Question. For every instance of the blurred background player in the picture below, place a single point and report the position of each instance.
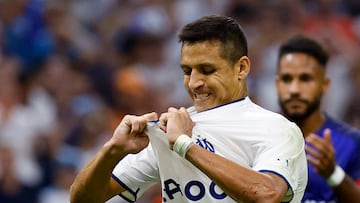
(333, 147)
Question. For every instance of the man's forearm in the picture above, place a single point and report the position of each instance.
(348, 191)
(92, 184)
(238, 182)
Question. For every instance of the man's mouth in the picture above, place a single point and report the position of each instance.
(295, 103)
(201, 96)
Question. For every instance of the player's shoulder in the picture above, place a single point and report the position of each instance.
(272, 115)
(342, 128)
(240, 110)
(277, 120)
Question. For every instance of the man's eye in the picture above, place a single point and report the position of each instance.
(186, 71)
(286, 79)
(208, 71)
(306, 78)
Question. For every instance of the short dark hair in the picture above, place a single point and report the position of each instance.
(306, 45)
(219, 28)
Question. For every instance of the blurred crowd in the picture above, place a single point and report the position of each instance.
(71, 69)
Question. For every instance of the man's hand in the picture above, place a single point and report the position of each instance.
(176, 122)
(321, 153)
(130, 134)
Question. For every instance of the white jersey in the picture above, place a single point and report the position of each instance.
(242, 132)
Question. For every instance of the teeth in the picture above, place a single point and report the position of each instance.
(200, 96)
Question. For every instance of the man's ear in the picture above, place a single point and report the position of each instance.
(243, 67)
(326, 85)
(277, 83)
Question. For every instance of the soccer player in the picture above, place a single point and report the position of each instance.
(332, 147)
(224, 148)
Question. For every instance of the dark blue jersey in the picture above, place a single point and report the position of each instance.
(346, 141)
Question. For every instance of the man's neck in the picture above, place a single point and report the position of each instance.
(312, 123)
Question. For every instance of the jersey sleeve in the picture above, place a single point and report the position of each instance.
(136, 173)
(285, 156)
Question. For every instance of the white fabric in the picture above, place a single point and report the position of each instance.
(242, 132)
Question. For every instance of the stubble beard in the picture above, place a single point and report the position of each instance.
(300, 117)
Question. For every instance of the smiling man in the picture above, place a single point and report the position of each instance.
(333, 147)
(224, 148)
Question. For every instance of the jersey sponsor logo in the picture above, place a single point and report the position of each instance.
(193, 190)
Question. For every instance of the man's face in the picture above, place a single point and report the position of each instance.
(300, 83)
(209, 79)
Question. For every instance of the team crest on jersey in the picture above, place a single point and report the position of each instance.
(204, 143)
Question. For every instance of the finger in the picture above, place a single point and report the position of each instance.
(138, 123)
(312, 151)
(327, 136)
(318, 164)
(126, 122)
(150, 116)
(318, 142)
(184, 111)
(324, 154)
(329, 144)
(313, 161)
(163, 121)
(323, 144)
(135, 123)
(172, 110)
(313, 138)
(163, 118)
(321, 155)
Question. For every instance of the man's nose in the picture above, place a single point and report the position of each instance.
(196, 80)
(294, 86)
